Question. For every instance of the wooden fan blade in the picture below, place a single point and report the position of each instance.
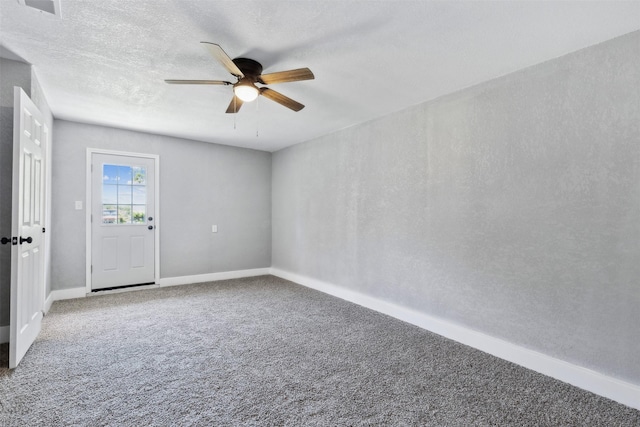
(286, 76)
(223, 58)
(235, 105)
(198, 82)
(281, 99)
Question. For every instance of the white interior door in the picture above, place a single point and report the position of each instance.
(122, 220)
(27, 252)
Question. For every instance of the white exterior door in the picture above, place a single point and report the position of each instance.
(30, 135)
(123, 220)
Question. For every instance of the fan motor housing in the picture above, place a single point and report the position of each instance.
(249, 67)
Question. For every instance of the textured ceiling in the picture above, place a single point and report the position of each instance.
(104, 62)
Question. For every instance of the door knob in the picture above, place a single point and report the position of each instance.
(150, 227)
(150, 218)
(5, 240)
(28, 239)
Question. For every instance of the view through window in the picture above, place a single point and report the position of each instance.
(124, 194)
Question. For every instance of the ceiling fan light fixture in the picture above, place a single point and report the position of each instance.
(249, 72)
(247, 92)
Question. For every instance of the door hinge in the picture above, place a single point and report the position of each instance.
(91, 217)
(92, 269)
(91, 167)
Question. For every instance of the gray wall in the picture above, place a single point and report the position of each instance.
(201, 184)
(12, 73)
(511, 208)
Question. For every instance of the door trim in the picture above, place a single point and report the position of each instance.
(88, 204)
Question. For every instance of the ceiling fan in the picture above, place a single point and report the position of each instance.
(249, 72)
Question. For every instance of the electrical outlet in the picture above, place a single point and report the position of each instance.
(78, 205)
(214, 228)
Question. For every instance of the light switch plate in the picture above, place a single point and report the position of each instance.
(78, 205)
(214, 228)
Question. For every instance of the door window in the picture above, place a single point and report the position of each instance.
(124, 194)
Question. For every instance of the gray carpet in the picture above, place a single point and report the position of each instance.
(263, 351)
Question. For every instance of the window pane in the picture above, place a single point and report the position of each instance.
(109, 193)
(139, 195)
(124, 214)
(109, 214)
(139, 176)
(124, 175)
(109, 174)
(124, 194)
(139, 214)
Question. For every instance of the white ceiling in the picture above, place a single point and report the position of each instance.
(104, 61)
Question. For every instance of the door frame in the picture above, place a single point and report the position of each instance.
(88, 208)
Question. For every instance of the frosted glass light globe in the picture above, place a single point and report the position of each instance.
(245, 92)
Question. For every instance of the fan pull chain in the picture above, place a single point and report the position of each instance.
(235, 111)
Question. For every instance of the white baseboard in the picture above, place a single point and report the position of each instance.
(212, 277)
(4, 334)
(47, 303)
(595, 382)
(71, 293)
(61, 294)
